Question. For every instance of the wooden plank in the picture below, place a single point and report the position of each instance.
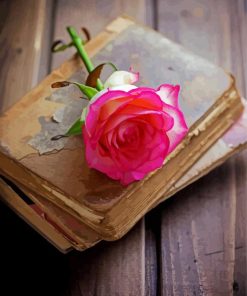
(47, 40)
(240, 161)
(22, 32)
(151, 17)
(240, 270)
(189, 230)
(116, 268)
(242, 27)
(25, 256)
(92, 14)
(26, 43)
(197, 252)
(152, 253)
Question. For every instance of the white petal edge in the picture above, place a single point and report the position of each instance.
(119, 78)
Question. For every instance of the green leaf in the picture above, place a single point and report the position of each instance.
(75, 129)
(94, 75)
(86, 90)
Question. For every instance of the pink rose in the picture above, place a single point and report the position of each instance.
(129, 131)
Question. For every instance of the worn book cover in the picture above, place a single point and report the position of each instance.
(57, 171)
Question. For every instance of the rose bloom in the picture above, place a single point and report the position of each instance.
(129, 130)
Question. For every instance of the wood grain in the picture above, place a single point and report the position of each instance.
(240, 270)
(22, 32)
(197, 252)
(25, 50)
(115, 268)
(92, 14)
(25, 256)
(209, 28)
(240, 162)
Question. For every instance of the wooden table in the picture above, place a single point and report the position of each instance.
(192, 244)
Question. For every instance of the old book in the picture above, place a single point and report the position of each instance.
(57, 171)
(48, 231)
(79, 236)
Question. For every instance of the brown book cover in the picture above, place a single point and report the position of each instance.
(57, 170)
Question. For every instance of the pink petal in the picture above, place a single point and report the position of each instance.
(169, 94)
(179, 130)
(95, 160)
(130, 177)
(157, 156)
(141, 89)
(135, 76)
(149, 154)
(159, 119)
(145, 103)
(95, 108)
(146, 167)
(147, 99)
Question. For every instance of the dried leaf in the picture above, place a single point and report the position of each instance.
(60, 45)
(95, 74)
(59, 84)
(86, 33)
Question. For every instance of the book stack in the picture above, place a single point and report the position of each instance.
(76, 207)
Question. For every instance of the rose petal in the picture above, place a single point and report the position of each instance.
(141, 89)
(120, 78)
(95, 108)
(145, 104)
(160, 119)
(129, 177)
(129, 133)
(146, 167)
(179, 130)
(169, 94)
(104, 164)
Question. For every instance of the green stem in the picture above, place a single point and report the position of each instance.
(83, 54)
